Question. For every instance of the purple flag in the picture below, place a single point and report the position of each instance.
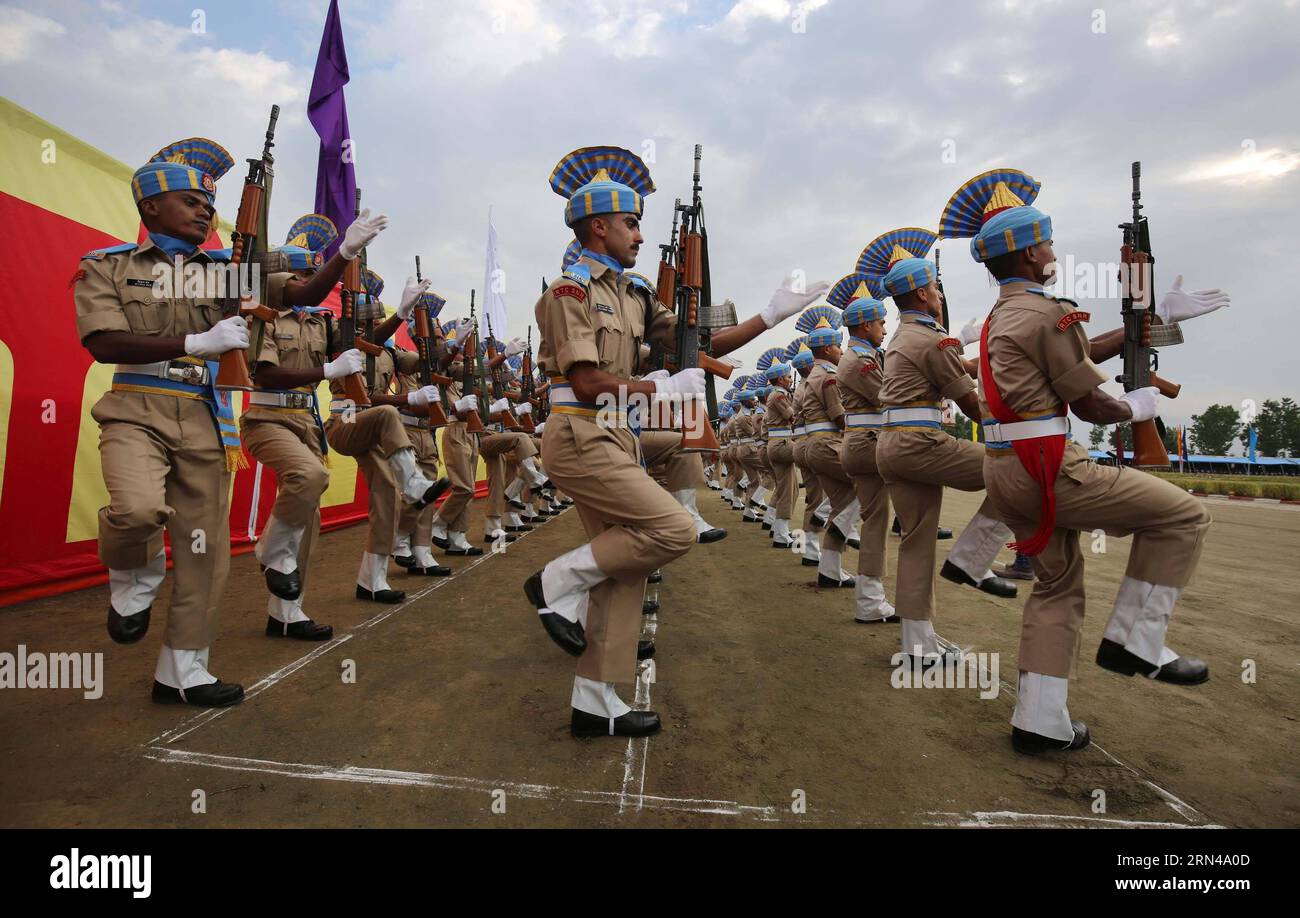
(336, 178)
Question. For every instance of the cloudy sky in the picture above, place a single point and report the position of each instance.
(824, 123)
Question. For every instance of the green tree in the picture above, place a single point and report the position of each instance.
(1171, 440)
(1277, 426)
(1214, 430)
(1097, 436)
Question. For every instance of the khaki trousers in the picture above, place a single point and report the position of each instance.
(460, 455)
(823, 456)
(634, 525)
(1168, 526)
(418, 524)
(170, 475)
(858, 456)
(780, 457)
(370, 436)
(916, 466)
(291, 450)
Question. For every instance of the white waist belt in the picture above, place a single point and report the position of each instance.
(779, 433)
(864, 419)
(412, 421)
(821, 427)
(280, 399)
(1025, 430)
(907, 415)
(193, 373)
(801, 431)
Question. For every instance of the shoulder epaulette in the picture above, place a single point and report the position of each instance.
(861, 351)
(579, 273)
(97, 254)
(640, 282)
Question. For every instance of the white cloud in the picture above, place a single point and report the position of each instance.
(22, 32)
(1245, 169)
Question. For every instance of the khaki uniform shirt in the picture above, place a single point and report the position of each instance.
(780, 409)
(293, 340)
(1039, 356)
(115, 292)
(861, 373)
(924, 366)
(822, 403)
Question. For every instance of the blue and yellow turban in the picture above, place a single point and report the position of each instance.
(851, 286)
(432, 302)
(301, 259)
(863, 310)
(897, 262)
(814, 316)
(768, 357)
(777, 370)
(993, 210)
(824, 336)
(312, 232)
(373, 283)
(601, 180)
(194, 164)
(571, 253)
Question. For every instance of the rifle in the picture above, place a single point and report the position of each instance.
(1140, 336)
(233, 372)
(354, 387)
(693, 287)
(469, 380)
(938, 282)
(368, 318)
(507, 417)
(526, 383)
(425, 345)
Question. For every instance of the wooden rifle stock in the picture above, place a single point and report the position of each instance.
(232, 370)
(354, 386)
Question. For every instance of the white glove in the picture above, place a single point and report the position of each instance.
(227, 335)
(462, 329)
(524, 408)
(1179, 305)
(1144, 403)
(538, 428)
(687, 382)
(467, 404)
(361, 233)
(349, 362)
(410, 294)
(788, 300)
(422, 397)
(656, 374)
(971, 331)
(516, 346)
(499, 406)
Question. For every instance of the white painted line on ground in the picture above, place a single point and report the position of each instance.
(207, 716)
(1006, 818)
(1179, 806)
(389, 777)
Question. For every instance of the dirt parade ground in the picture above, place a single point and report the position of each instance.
(452, 709)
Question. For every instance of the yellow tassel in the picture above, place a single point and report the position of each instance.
(235, 459)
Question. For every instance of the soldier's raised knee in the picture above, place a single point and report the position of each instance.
(679, 535)
(141, 515)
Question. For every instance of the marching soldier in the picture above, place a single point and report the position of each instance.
(413, 543)
(861, 371)
(450, 525)
(592, 322)
(802, 361)
(1036, 363)
(168, 440)
(377, 438)
(282, 427)
(780, 411)
(823, 418)
(915, 456)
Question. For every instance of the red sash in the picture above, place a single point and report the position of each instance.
(1040, 456)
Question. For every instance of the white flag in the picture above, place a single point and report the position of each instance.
(494, 290)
